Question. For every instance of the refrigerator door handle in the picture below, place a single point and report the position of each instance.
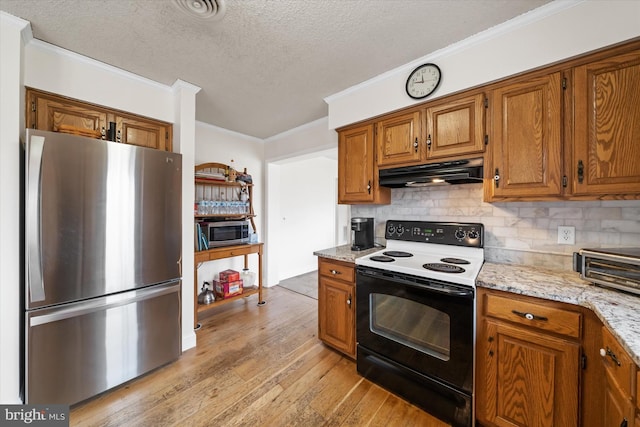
(104, 303)
(35, 149)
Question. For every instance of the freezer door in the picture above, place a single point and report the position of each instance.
(78, 350)
(101, 217)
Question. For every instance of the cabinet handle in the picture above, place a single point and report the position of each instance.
(529, 316)
(334, 272)
(415, 144)
(490, 339)
(624, 423)
(429, 142)
(580, 171)
(496, 178)
(611, 354)
(349, 301)
(490, 353)
(369, 187)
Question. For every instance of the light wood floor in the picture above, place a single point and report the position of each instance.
(255, 366)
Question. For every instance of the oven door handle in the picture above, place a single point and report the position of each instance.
(434, 286)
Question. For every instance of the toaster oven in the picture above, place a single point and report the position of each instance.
(615, 268)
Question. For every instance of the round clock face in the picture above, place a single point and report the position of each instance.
(423, 81)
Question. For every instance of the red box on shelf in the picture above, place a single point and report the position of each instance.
(229, 276)
(227, 289)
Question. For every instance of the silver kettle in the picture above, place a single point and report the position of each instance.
(206, 296)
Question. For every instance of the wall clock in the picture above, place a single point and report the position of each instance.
(423, 81)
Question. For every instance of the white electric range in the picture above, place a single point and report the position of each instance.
(415, 315)
(450, 252)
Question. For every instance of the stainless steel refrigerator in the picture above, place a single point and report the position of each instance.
(102, 265)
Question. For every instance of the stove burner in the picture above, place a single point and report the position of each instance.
(381, 258)
(443, 268)
(398, 254)
(455, 261)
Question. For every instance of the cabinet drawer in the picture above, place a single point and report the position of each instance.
(536, 315)
(337, 269)
(617, 362)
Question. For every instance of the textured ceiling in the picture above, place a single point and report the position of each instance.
(266, 66)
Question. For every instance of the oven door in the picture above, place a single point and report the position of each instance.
(421, 324)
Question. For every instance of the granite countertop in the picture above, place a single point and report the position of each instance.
(344, 253)
(619, 311)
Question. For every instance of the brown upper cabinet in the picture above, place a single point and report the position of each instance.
(572, 133)
(606, 133)
(526, 143)
(143, 132)
(456, 127)
(398, 140)
(569, 131)
(47, 111)
(448, 128)
(357, 169)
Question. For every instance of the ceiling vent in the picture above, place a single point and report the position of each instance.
(211, 10)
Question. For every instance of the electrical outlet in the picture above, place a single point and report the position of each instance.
(566, 235)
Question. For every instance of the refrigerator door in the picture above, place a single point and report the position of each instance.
(102, 217)
(77, 350)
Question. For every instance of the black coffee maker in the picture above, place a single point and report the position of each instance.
(361, 233)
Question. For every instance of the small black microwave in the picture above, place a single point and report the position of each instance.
(224, 233)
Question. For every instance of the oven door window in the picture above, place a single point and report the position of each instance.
(415, 325)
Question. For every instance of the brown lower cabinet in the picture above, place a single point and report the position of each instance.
(527, 362)
(545, 363)
(620, 376)
(336, 305)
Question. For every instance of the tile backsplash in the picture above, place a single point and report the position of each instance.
(515, 232)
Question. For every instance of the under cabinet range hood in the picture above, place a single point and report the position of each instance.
(451, 172)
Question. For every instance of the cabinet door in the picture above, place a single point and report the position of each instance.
(336, 319)
(607, 126)
(48, 112)
(145, 133)
(397, 140)
(526, 138)
(618, 408)
(456, 127)
(530, 378)
(357, 173)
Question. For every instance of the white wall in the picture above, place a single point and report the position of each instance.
(551, 33)
(307, 139)
(214, 144)
(307, 213)
(11, 106)
(302, 162)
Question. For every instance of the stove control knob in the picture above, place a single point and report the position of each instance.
(400, 230)
(391, 229)
(473, 234)
(460, 234)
